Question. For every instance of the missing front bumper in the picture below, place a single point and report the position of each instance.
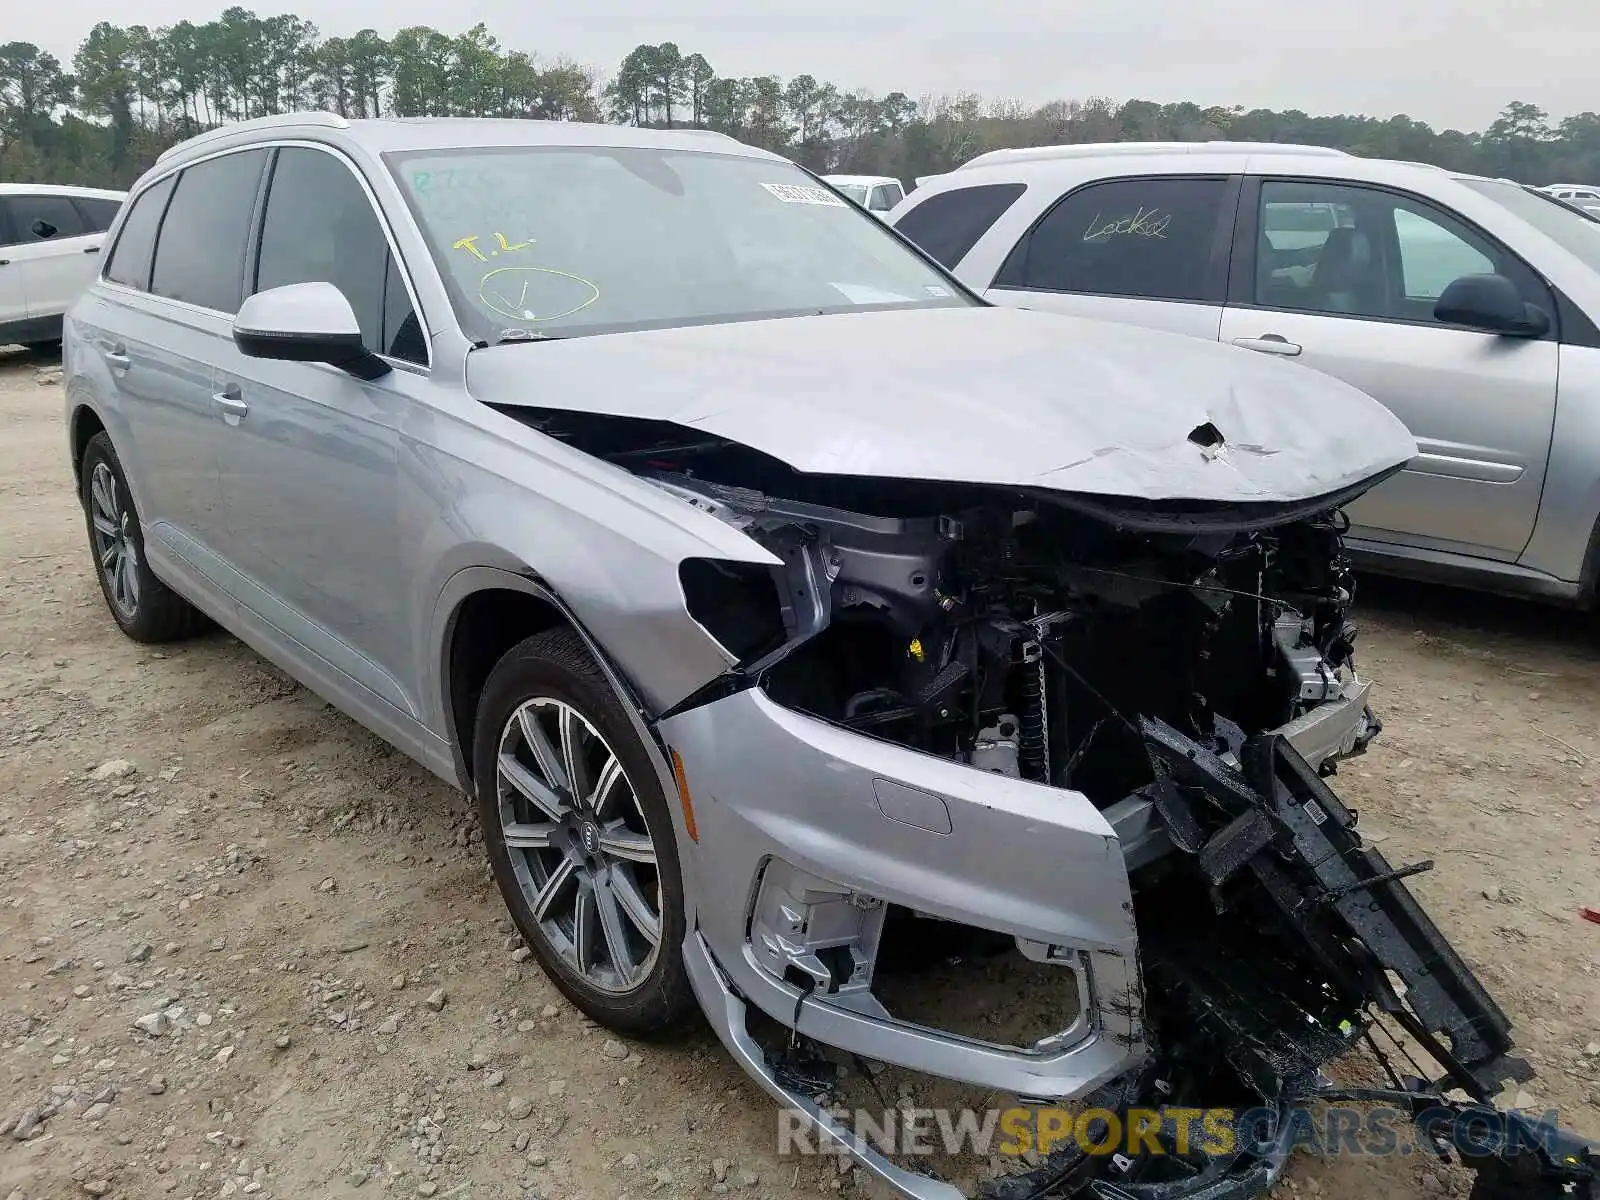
(727, 1015)
(793, 821)
(1271, 854)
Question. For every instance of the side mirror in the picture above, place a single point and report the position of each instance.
(1491, 303)
(306, 322)
(43, 229)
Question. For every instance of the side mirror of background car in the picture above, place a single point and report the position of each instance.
(43, 229)
(1492, 303)
(306, 322)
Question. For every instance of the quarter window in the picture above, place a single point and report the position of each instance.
(1360, 252)
(948, 224)
(320, 227)
(1150, 238)
(200, 253)
(1432, 257)
(44, 218)
(135, 247)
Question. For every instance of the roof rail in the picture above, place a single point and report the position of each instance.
(1097, 149)
(323, 120)
(702, 132)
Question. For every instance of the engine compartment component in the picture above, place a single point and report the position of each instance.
(1026, 640)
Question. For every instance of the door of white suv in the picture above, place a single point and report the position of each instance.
(53, 250)
(13, 296)
(1344, 277)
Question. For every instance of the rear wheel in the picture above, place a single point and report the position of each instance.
(145, 609)
(580, 837)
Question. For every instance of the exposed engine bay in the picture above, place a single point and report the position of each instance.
(1026, 642)
(1192, 672)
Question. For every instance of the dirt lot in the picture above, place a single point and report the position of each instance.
(185, 831)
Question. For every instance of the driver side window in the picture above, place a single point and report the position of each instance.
(1353, 251)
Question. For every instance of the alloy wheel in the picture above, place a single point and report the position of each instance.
(114, 545)
(579, 844)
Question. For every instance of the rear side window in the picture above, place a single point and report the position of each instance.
(949, 224)
(97, 213)
(130, 259)
(200, 254)
(44, 218)
(1150, 238)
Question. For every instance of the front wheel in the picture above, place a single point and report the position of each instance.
(580, 837)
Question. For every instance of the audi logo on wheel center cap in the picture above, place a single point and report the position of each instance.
(591, 838)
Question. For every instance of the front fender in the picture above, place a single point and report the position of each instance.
(471, 580)
(603, 541)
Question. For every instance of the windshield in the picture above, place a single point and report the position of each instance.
(562, 241)
(1578, 233)
(856, 191)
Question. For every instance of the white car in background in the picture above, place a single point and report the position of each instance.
(50, 241)
(1576, 193)
(875, 193)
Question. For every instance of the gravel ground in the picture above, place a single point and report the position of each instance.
(246, 949)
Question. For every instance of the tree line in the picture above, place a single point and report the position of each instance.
(132, 91)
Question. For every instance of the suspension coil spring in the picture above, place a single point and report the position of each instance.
(1033, 751)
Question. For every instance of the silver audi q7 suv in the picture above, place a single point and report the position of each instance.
(778, 600)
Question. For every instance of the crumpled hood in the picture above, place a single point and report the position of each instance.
(977, 395)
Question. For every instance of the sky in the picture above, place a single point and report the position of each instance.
(1451, 63)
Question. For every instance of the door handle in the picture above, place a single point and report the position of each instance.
(91, 249)
(117, 357)
(1270, 343)
(231, 403)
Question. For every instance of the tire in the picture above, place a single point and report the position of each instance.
(143, 607)
(573, 874)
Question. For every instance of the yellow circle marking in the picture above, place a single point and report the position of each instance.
(499, 300)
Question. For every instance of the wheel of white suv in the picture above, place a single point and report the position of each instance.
(146, 609)
(579, 836)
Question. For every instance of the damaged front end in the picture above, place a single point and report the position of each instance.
(1093, 734)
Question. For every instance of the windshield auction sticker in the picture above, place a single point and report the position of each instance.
(796, 193)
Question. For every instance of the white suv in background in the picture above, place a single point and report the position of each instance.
(1576, 192)
(875, 193)
(1470, 307)
(50, 241)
